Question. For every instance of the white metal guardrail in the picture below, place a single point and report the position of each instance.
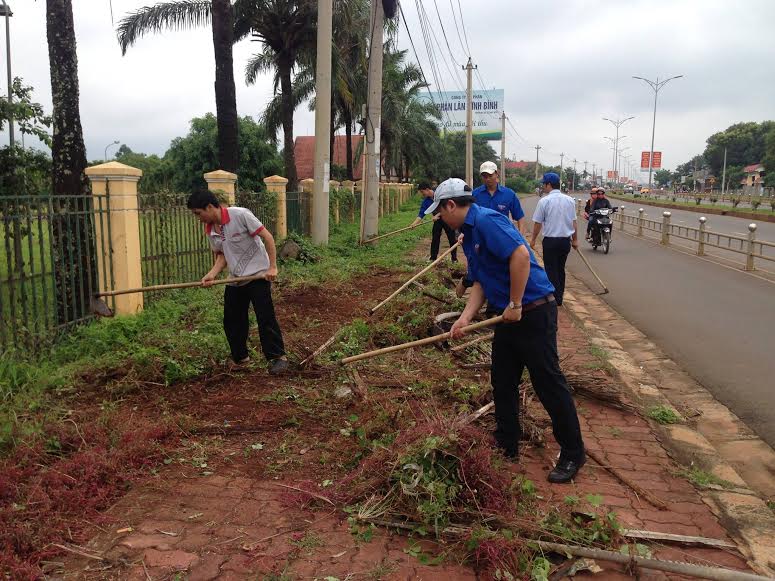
(700, 238)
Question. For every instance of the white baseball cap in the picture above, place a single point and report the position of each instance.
(488, 167)
(451, 188)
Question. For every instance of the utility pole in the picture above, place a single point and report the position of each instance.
(469, 68)
(724, 173)
(573, 185)
(322, 170)
(503, 146)
(537, 147)
(594, 176)
(373, 122)
(562, 155)
(655, 86)
(7, 12)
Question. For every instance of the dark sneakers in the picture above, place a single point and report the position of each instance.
(565, 470)
(278, 367)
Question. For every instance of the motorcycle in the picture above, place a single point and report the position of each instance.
(602, 227)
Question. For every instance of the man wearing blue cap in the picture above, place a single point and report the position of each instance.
(506, 275)
(556, 214)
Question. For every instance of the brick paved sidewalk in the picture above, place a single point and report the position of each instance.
(235, 527)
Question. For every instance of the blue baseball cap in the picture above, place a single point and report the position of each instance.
(551, 178)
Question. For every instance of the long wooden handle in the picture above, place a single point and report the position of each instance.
(145, 289)
(420, 342)
(592, 270)
(416, 276)
(370, 240)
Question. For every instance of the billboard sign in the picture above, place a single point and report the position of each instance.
(656, 163)
(487, 107)
(612, 175)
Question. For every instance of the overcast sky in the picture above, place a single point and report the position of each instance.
(563, 64)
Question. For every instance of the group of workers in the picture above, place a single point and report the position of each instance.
(502, 272)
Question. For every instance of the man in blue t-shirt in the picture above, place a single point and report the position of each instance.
(505, 274)
(496, 197)
(438, 225)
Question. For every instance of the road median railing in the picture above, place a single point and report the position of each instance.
(696, 239)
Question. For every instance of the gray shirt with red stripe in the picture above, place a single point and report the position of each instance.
(239, 242)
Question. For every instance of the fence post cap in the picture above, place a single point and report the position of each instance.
(275, 180)
(219, 175)
(640, 210)
(703, 219)
(113, 168)
(334, 183)
(621, 207)
(752, 227)
(666, 214)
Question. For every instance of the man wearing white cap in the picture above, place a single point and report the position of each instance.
(506, 275)
(496, 197)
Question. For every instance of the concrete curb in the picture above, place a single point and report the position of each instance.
(718, 442)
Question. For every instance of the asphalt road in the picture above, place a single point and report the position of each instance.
(716, 322)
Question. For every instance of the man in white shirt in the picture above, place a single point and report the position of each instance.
(556, 214)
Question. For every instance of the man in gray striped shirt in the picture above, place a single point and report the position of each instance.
(242, 243)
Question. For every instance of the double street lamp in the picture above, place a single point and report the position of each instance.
(655, 86)
(617, 123)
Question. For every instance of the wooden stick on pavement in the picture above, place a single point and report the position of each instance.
(421, 342)
(589, 266)
(467, 344)
(416, 276)
(370, 240)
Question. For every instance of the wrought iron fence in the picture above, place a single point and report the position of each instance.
(51, 264)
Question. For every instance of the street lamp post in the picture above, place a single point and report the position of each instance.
(5, 10)
(109, 145)
(617, 123)
(655, 86)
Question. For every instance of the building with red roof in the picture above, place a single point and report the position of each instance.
(304, 150)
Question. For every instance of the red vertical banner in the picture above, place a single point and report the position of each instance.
(612, 174)
(644, 159)
(656, 163)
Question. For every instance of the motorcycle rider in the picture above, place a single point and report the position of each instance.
(599, 202)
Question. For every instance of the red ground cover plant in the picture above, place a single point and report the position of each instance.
(51, 489)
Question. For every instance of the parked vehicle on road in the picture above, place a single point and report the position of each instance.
(602, 228)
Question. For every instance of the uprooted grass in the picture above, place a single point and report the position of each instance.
(440, 478)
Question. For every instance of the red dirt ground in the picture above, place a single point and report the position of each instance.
(218, 506)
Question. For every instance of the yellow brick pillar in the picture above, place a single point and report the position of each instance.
(114, 186)
(349, 187)
(306, 186)
(224, 183)
(334, 189)
(276, 185)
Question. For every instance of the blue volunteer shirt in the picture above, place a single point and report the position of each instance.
(426, 203)
(490, 239)
(504, 200)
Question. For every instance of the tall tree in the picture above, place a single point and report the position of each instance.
(179, 14)
(287, 30)
(74, 274)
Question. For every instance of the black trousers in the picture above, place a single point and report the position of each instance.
(532, 343)
(236, 324)
(556, 252)
(438, 226)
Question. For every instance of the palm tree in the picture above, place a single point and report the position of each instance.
(178, 14)
(405, 118)
(287, 30)
(72, 243)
